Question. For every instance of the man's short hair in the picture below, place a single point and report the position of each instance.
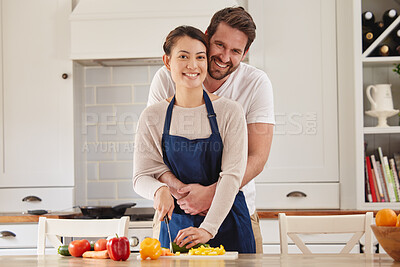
(237, 18)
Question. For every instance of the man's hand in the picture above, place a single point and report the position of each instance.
(173, 183)
(203, 213)
(176, 195)
(198, 199)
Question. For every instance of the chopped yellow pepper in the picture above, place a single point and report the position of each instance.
(210, 251)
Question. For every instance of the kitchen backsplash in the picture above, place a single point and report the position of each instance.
(114, 99)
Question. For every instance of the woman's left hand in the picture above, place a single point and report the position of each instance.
(192, 236)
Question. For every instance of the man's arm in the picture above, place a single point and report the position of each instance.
(161, 86)
(259, 141)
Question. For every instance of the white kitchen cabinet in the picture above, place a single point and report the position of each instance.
(20, 239)
(18, 235)
(356, 72)
(296, 47)
(36, 100)
(122, 29)
(47, 198)
(297, 195)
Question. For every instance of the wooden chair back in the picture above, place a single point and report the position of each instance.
(54, 229)
(358, 224)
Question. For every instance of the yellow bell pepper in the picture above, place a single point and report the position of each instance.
(150, 248)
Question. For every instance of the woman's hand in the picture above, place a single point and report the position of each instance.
(163, 202)
(192, 236)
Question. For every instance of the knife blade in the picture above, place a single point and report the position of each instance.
(166, 220)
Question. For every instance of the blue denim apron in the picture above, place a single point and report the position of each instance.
(199, 161)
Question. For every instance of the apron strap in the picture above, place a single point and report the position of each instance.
(211, 114)
(168, 115)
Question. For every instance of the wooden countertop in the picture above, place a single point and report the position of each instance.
(244, 260)
(273, 214)
(18, 217)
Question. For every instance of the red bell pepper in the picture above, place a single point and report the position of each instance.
(118, 248)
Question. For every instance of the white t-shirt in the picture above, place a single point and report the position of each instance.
(247, 85)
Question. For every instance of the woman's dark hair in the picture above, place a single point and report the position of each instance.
(182, 31)
(237, 18)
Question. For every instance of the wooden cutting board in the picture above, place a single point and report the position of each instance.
(229, 255)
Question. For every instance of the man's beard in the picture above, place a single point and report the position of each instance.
(216, 73)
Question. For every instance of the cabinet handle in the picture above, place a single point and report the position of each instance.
(32, 199)
(64, 76)
(296, 194)
(7, 234)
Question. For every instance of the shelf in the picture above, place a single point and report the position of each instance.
(368, 69)
(380, 61)
(381, 130)
(381, 205)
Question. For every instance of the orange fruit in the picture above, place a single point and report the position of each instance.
(398, 221)
(386, 217)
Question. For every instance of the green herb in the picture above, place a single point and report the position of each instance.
(397, 68)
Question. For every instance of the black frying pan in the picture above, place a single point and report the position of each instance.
(105, 211)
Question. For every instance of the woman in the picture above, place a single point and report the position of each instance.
(201, 138)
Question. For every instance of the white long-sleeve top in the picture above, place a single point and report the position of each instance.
(193, 123)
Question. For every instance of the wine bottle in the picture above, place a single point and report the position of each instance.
(384, 50)
(368, 18)
(389, 16)
(395, 35)
(397, 50)
(368, 37)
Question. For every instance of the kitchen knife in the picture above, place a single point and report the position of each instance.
(166, 220)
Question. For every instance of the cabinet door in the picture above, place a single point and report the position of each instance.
(37, 107)
(296, 47)
(1, 99)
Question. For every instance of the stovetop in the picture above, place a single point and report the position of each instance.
(134, 213)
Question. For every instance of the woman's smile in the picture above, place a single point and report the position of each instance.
(192, 75)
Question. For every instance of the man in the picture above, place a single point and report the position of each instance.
(230, 34)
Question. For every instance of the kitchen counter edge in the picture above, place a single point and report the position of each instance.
(28, 218)
(263, 214)
(273, 214)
